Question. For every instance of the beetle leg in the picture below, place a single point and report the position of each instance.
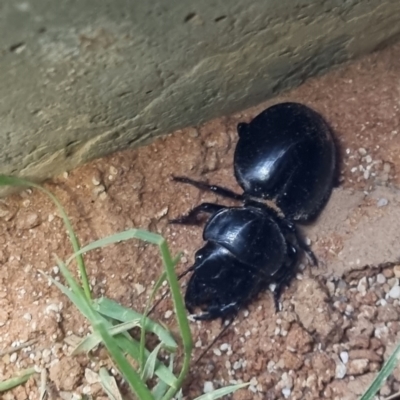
(221, 191)
(191, 217)
(291, 227)
(287, 274)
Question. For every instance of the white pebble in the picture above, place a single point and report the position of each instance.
(13, 357)
(340, 370)
(224, 347)
(362, 151)
(381, 279)
(113, 170)
(394, 292)
(344, 356)
(217, 352)
(286, 392)
(253, 381)
(168, 314)
(27, 317)
(208, 387)
(382, 202)
(362, 286)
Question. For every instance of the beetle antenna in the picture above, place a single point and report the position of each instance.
(223, 330)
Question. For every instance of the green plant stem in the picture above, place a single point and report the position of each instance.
(181, 317)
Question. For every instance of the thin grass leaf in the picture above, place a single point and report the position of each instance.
(380, 379)
(88, 343)
(143, 330)
(43, 381)
(179, 395)
(149, 367)
(111, 309)
(126, 369)
(161, 387)
(109, 385)
(117, 238)
(131, 347)
(217, 394)
(17, 380)
(181, 317)
(13, 181)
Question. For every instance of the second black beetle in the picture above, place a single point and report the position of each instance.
(285, 162)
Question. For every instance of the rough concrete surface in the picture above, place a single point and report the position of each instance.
(357, 230)
(79, 79)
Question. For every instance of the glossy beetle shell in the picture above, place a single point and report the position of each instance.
(287, 154)
(251, 234)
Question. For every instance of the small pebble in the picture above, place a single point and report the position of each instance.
(344, 356)
(27, 317)
(380, 278)
(237, 365)
(168, 314)
(217, 352)
(341, 370)
(382, 202)
(224, 347)
(362, 286)
(208, 387)
(394, 292)
(96, 180)
(286, 392)
(362, 151)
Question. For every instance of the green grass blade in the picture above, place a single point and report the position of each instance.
(159, 390)
(128, 372)
(109, 385)
(161, 387)
(143, 330)
(149, 367)
(12, 181)
(117, 238)
(386, 370)
(181, 317)
(17, 380)
(112, 309)
(131, 346)
(90, 342)
(217, 394)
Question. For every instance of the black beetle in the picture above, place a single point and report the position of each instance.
(285, 162)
